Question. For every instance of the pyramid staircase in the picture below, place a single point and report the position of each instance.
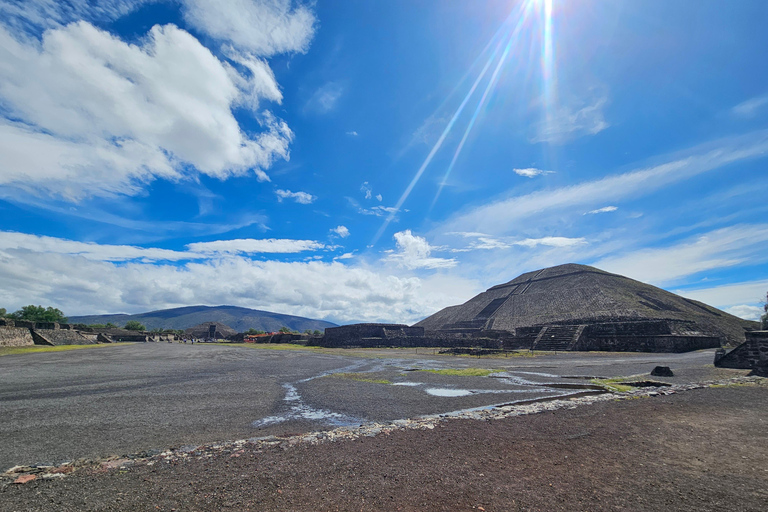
(555, 338)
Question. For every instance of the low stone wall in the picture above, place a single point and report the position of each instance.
(757, 350)
(350, 334)
(15, 337)
(662, 343)
(60, 337)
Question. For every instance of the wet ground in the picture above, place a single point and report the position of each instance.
(57, 407)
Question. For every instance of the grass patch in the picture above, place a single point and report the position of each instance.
(464, 372)
(34, 349)
(613, 385)
(359, 377)
(268, 346)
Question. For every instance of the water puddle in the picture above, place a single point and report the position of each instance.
(447, 392)
(409, 384)
(301, 411)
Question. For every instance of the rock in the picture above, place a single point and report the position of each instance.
(24, 479)
(662, 371)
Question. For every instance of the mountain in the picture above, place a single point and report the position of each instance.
(579, 295)
(240, 319)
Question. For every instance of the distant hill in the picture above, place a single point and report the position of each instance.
(240, 319)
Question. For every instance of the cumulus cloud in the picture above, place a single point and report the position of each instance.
(84, 278)
(263, 27)
(299, 197)
(414, 252)
(745, 295)
(352, 133)
(531, 172)
(341, 231)
(87, 113)
(604, 209)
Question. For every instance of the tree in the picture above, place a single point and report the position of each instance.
(110, 325)
(134, 325)
(2, 312)
(284, 329)
(317, 332)
(254, 331)
(33, 313)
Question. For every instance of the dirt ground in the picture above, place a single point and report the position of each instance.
(704, 449)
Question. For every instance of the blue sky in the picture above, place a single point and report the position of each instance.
(377, 161)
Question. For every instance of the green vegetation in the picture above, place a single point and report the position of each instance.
(254, 331)
(134, 325)
(284, 329)
(8, 351)
(464, 372)
(316, 332)
(33, 313)
(613, 385)
(359, 377)
(2, 312)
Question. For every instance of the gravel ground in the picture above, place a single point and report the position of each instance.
(700, 449)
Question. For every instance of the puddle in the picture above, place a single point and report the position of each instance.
(411, 384)
(301, 411)
(447, 392)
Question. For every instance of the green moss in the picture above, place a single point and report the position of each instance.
(464, 372)
(8, 351)
(613, 385)
(359, 377)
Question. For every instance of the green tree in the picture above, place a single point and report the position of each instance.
(254, 331)
(317, 332)
(135, 325)
(284, 329)
(33, 313)
(2, 312)
(110, 325)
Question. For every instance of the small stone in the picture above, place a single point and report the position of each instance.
(24, 479)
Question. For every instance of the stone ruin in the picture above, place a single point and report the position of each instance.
(750, 355)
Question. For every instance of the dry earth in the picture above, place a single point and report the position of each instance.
(703, 449)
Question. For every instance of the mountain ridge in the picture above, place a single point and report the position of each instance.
(239, 318)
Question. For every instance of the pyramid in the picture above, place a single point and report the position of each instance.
(575, 302)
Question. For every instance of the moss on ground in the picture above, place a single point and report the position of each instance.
(8, 351)
(359, 377)
(614, 384)
(464, 372)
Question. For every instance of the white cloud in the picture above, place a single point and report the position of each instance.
(499, 216)
(82, 278)
(551, 241)
(263, 27)
(346, 256)
(746, 312)
(95, 115)
(563, 123)
(325, 98)
(414, 252)
(604, 209)
(751, 107)
(730, 295)
(299, 197)
(25, 243)
(352, 133)
(365, 188)
(531, 172)
(253, 246)
(379, 197)
(719, 249)
(341, 231)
